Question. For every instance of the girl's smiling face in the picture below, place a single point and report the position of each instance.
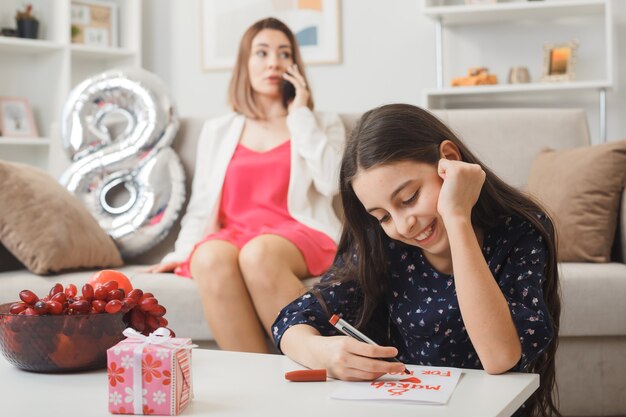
(403, 197)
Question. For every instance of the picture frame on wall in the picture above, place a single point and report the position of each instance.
(315, 23)
(559, 61)
(94, 23)
(16, 118)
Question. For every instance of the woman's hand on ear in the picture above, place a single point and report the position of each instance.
(461, 187)
(302, 92)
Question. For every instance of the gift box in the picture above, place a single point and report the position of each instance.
(150, 374)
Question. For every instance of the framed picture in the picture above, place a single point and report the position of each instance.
(16, 118)
(94, 23)
(315, 23)
(559, 61)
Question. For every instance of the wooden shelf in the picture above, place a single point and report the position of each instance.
(498, 12)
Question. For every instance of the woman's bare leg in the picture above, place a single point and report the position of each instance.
(226, 302)
(272, 268)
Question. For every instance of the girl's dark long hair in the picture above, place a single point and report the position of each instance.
(401, 132)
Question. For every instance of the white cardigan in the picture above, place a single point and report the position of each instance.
(317, 141)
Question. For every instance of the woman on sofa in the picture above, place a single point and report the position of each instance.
(440, 262)
(260, 217)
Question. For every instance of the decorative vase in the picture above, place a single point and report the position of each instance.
(27, 28)
(519, 75)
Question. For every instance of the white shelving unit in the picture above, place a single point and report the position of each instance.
(44, 70)
(533, 17)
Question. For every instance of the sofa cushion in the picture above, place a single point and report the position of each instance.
(45, 227)
(582, 188)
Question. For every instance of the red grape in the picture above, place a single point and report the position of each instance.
(158, 311)
(54, 307)
(148, 304)
(113, 306)
(106, 292)
(17, 308)
(87, 292)
(70, 291)
(135, 294)
(116, 294)
(28, 297)
(110, 286)
(59, 297)
(56, 289)
(41, 307)
(98, 305)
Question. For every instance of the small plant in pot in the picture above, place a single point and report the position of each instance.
(27, 24)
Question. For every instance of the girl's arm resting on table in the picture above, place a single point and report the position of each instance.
(484, 309)
(342, 356)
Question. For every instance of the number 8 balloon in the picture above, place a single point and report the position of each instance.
(136, 165)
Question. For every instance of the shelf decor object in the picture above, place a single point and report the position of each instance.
(94, 23)
(27, 24)
(16, 118)
(559, 61)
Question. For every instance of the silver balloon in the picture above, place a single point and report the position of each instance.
(117, 128)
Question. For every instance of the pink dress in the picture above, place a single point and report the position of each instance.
(254, 202)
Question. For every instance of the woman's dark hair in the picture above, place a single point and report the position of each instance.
(401, 132)
(240, 94)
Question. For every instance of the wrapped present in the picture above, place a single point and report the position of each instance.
(150, 374)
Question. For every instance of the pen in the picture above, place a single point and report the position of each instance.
(345, 328)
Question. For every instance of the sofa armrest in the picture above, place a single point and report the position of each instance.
(620, 237)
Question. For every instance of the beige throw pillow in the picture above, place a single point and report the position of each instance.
(47, 228)
(581, 188)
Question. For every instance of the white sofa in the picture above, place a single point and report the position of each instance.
(591, 362)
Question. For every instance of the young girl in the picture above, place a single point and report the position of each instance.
(440, 262)
(260, 216)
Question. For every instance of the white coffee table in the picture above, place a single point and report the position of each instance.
(245, 384)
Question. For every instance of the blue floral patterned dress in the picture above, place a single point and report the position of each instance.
(421, 316)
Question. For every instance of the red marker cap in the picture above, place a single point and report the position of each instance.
(334, 319)
(306, 375)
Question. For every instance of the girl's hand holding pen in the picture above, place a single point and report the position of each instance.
(350, 360)
(461, 187)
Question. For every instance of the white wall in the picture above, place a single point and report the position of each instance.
(388, 56)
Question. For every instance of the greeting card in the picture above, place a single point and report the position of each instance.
(425, 385)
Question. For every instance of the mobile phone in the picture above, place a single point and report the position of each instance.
(288, 92)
